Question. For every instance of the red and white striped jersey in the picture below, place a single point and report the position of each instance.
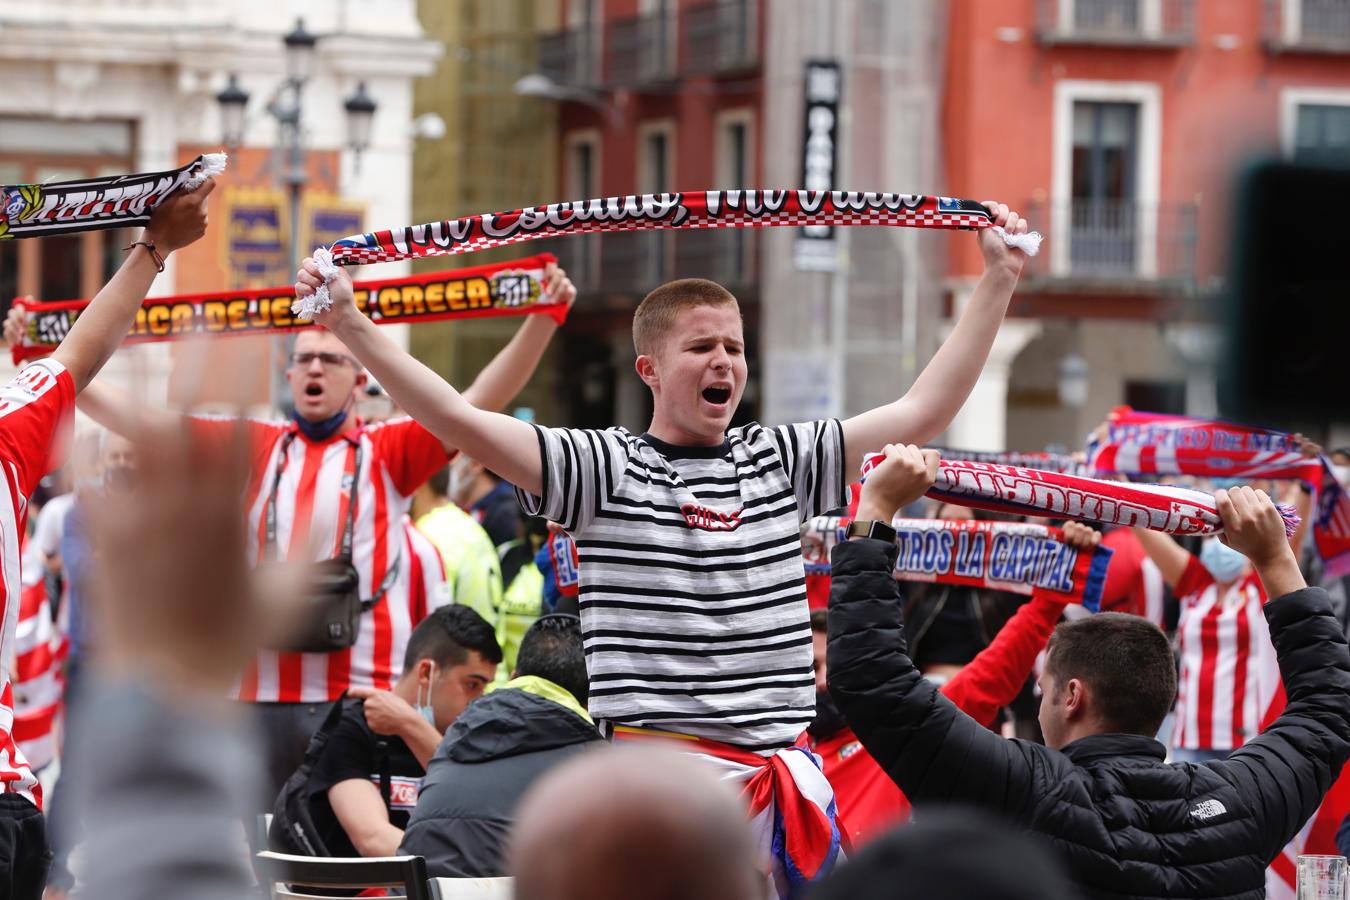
(35, 411)
(428, 589)
(312, 491)
(1228, 669)
(39, 649)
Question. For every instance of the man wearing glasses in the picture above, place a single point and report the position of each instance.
(305, 474)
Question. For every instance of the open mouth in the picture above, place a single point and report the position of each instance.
(313, 390)
(717, 395)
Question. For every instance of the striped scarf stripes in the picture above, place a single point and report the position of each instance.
(88, 204)
(693, 209)
(1032, 492)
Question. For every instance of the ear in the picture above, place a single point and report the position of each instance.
(361, 378)
(646, 369)
(1076, 699)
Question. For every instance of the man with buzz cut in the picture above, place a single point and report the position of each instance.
(693, 598)
(1124, 822)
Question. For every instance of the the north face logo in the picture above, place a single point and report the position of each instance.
(710, 519)
(1208, 810)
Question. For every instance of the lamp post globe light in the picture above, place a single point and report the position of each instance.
(286, 109)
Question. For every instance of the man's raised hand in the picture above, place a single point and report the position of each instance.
(1252, 525)
(180, 219)
(997, 253)
(308, 280)
(903, 477)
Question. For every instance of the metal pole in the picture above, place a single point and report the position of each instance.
(296, 178)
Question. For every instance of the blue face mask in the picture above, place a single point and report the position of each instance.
(425, 710)
(1222, 561)
(321, 431)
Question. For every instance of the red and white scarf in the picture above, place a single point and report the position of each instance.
(87, 204)
(1140, 443)
(1054, 495)
(789, 802)
(692, 209)
(1021, 557)
(1045, 461)
(513, 288)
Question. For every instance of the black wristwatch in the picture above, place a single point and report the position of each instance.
(870, 528)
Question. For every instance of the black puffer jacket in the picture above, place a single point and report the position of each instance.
(1125, 823)
(498, 747)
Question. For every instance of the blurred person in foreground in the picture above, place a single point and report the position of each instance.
(497, 750)
(633, 823)
(36, 407)
(954, 854)
(1124, 822)
(167, 768)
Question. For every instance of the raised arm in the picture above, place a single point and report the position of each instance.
(1169, 556)
(505, 445)
(1285, 771)
(936, 396)
(100, 329)
(116, 410)
(510, 370)
(928, 747)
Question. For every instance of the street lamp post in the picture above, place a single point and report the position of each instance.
(286, 109)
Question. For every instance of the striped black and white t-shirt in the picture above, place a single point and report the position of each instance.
(693, 599)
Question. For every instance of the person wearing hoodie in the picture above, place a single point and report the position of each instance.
(497, 749)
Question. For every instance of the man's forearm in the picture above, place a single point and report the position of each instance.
(117, 411)
(1280, 575)
(511, 369)
(941, 389)
(944, 384)
(422, 739)
(103, 325)
(506, 446)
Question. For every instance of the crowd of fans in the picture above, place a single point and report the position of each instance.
(531, 602)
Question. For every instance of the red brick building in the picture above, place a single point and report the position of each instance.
(1119, 126)
(656, 95)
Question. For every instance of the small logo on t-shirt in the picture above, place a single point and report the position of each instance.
(710, 519)
(849, 749)
(1208, 810)
(402, 790)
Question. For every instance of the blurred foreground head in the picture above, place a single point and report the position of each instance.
(633, 824)
(954, 854)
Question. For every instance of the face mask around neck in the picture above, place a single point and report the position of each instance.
(424, 709)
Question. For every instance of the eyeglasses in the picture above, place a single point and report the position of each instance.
(327, 360)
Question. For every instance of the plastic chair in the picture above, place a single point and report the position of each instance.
(471, 888)
(281, 871)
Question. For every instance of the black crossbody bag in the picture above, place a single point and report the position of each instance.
(331, 618)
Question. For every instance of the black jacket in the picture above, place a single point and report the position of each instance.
(488, 759)
(1125, 823)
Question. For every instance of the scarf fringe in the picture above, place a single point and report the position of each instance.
(213, 164)
(320, 301)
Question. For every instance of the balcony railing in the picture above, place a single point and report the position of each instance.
(720, 37)
(571, 58)
(1312, 26)
(641, 50)
(1116, 242)
(1121, 23)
